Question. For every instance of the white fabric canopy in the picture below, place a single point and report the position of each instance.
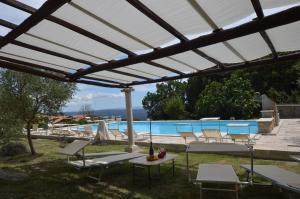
(130, 32)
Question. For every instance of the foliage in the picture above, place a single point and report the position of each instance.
(154, 102)
(174, 108)
(10, 126)
(279, 81)
(195, 85)
(12, 149)
(24, 97)
(232, 97)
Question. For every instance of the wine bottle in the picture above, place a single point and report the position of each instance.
(151, 150)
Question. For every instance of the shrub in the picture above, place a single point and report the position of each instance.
(12, 149)
(232, 97)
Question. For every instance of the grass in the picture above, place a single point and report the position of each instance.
(50, 177)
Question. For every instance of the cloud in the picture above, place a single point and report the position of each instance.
(145, 88)
(90, 97)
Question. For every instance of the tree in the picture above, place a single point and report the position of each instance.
(25, 97)
(278, 81)
(195, 86)
(155, 102)
(232, 97)
(174, 108)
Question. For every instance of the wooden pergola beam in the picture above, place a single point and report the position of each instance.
(48, 69)
(197, 7)
(165, 25)
(7, 24)
(260, 14)
(45, 10)
(278, 19)
(248, 65)
(34, 65)
(49, 52)
(29, 70)
(31, 10)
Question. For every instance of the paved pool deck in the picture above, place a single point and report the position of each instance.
(285, 137)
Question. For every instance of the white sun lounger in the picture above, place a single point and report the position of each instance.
(280, 177)
(104, 162)
(76, 148)
(217, 173)
(295, 157)
(185, 135)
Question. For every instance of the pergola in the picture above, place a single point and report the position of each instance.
(123, 43)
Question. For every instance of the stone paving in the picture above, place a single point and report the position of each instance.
(285, 137)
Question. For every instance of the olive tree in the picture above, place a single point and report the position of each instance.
(24, 97)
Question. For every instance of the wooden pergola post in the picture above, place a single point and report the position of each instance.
(131, 145)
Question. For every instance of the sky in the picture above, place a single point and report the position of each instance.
(99, 97)
(106, 98)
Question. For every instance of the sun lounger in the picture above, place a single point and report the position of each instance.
(212, 134)
(295, 157)
(116, 133)
(217, 174)
(210, 118)
(88, 132)
(282, 178)
(104, 162)
(138, 136)
(99, 155)
(63, 133)
(76, 148)
(240, 138)
(185, 135)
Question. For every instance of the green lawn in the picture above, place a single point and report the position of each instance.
(50, 177)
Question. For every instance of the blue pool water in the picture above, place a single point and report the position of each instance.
(172, 127)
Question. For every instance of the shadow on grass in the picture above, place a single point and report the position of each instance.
(55, 179)
(22, 158)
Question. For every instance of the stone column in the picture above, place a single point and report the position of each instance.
(131, 146)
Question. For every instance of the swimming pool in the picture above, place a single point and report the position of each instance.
(172, 127)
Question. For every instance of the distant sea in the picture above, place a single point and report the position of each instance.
(138, 113)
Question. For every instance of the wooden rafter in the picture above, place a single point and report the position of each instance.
(48, 69)
(46, 9)
(59, 77)
(31, 10)
(278, 19)
(251, 64)
(57, 54)
(260, 14)
(214, 26)
(162, 23)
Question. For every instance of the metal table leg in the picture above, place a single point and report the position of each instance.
(200, 190)
(237, 191)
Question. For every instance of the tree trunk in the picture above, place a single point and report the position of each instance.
(29, 140)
